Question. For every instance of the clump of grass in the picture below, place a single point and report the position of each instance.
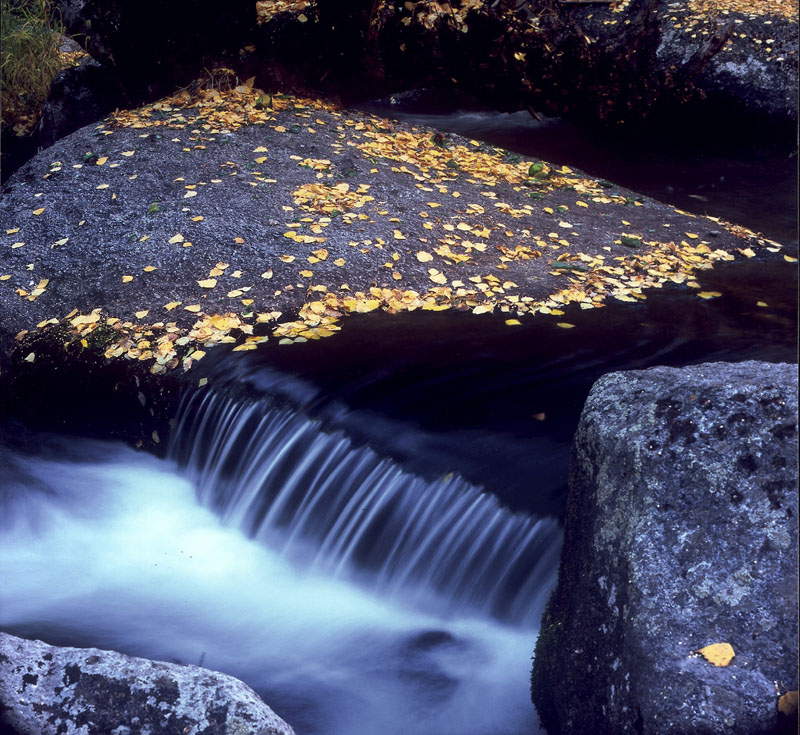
(29, 60)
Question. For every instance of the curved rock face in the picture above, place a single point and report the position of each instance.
(681, 532)
(46, 690)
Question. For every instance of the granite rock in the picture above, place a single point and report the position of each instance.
(681, 531)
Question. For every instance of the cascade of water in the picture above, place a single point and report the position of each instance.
(342, 509)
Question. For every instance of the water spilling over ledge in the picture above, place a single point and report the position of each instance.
(348, 512)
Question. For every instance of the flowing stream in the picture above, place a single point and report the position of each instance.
(105, 546)
(366, 529)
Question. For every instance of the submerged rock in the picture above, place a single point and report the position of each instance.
(680, 533)
(45, 689)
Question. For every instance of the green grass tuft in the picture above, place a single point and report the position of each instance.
(29, 60)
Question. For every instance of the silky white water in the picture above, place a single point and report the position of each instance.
(104, 546)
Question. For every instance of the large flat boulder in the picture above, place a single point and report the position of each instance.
(46, 690)
(681, 532)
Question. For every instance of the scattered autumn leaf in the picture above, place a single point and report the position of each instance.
(787, 704)
(719, 654)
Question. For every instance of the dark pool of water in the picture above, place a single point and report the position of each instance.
(749, 181)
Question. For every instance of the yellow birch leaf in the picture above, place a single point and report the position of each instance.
(194, 308)
(142, 314)
(787, 704)
(691, 235)
(719, 654)
(235, 293)
(565, 325)
(30, 357)
(100, 161)
(339, 262)
(267, 274)
(171, 305)
(87, 319)
(709, 294)
(102, 186)
(424, 257)
(306, 274)
(127, 279)
(789, 259)
(207, 283)
(176, 238)
(513, 322)
(189, 194)
(762, 304)
(260, 149)
(127, 153)
(38, 211)
(149, 268)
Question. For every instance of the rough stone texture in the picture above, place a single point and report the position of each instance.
(681, 531)
(743, 77)
(45, 689)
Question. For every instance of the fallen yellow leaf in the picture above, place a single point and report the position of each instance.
(424, 257)
(787, 704)
(719, 654)
(38, 211)
(709, 294)
(127, 279)
(207, 283)
(565, 325)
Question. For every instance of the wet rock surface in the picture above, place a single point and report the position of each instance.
(46, 690)
(681, 532)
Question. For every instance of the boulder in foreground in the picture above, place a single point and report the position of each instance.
(45, 689)
(681, 532)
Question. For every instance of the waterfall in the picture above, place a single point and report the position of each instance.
(334, 507)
